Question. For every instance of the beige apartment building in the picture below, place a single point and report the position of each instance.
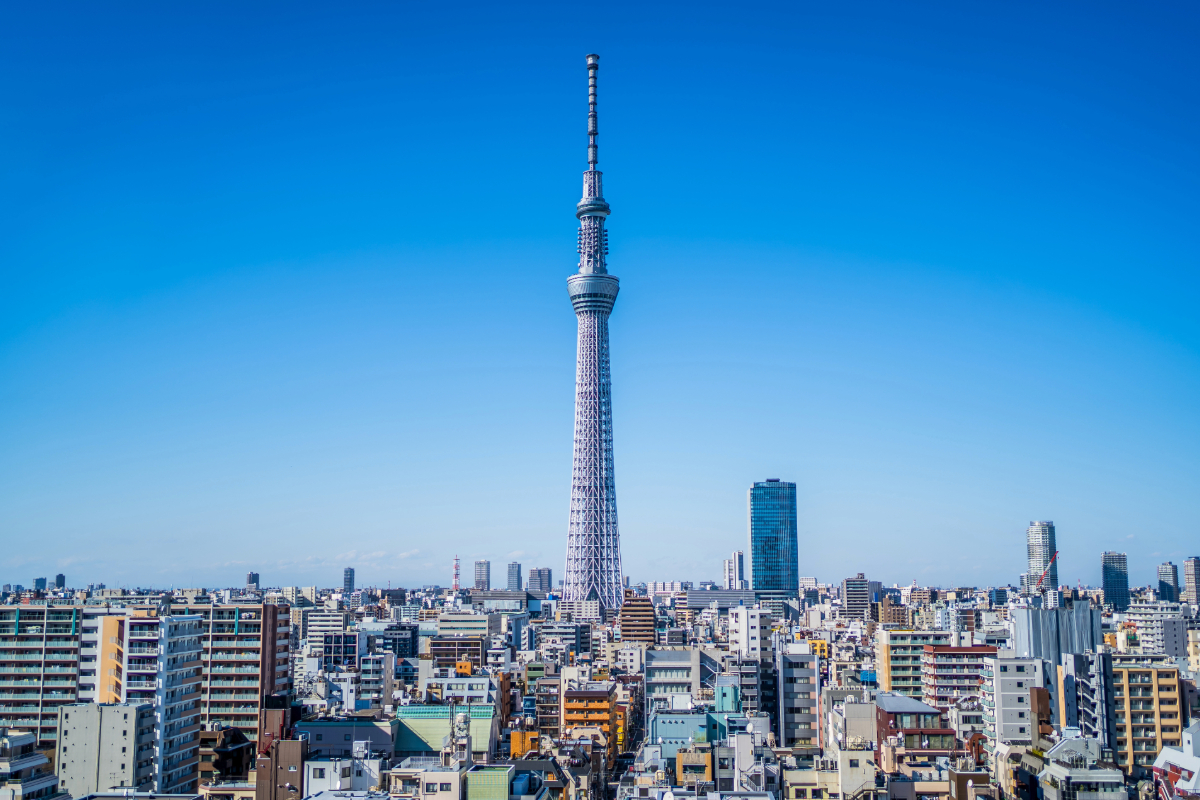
(1148, 710)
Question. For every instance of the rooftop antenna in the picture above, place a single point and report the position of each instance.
(456, 574)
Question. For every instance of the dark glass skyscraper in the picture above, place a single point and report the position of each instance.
(774, 556)
(1114, 575)
(348, 580)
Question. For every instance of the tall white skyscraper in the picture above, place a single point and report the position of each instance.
(735, 571)
(1042, 562)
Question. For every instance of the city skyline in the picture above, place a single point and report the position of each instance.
(906, 290)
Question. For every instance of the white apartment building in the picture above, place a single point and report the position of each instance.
(160, 665)
(1161, 627)
(1007, 716)
(749, 637)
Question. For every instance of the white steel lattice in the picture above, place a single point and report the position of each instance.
(593, 542)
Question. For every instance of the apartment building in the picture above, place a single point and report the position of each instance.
(155, 660)
(799, 691)
(1148, 704)
(376, 679)
(23, 771)
(750, 632)
(244, 655)
(898, 655)
(549, 709)
(105, 747)
(1008, 716)
(950, 674)
(1160, 626)
(448, 651)
(1085, 696)
(592, 704)
(49, 657)
(636, 619)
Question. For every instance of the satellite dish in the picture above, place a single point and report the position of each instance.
(660, 740)
(749, 727)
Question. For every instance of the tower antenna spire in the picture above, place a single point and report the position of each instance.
(593, 65)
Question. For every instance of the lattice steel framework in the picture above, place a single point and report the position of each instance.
(593, 542)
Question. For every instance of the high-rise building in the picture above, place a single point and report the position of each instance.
(155, 660)
(244, 660)
(774, 560)
(348, 580)
(1168, 582)
(1043, 566)
(1114, 570)
(541, 579)
(39, 584)
(483, 575)
(514, 577)
(735, 571)
(593, 540)
(60, 581)
(856, 597)
(50, 656)
(252, 580)
(1191, 580)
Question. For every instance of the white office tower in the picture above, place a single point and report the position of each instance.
(735, 571)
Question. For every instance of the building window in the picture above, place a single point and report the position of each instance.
(320, 736)
(292, 768)
(318, 772)
(445, 787)
(853, 762)
(1020, 730)
(346, 737)
(430, 788)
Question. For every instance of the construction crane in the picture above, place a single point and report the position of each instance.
(1046, 572)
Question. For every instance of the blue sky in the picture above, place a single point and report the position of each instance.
(283, 286)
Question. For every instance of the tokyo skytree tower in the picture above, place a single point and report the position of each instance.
(593, 543)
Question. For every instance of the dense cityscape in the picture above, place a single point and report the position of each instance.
(764, 684)
(757, 683)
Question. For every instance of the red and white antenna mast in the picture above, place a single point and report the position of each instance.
(456, 573)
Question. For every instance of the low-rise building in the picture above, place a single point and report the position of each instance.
(1177, 769)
